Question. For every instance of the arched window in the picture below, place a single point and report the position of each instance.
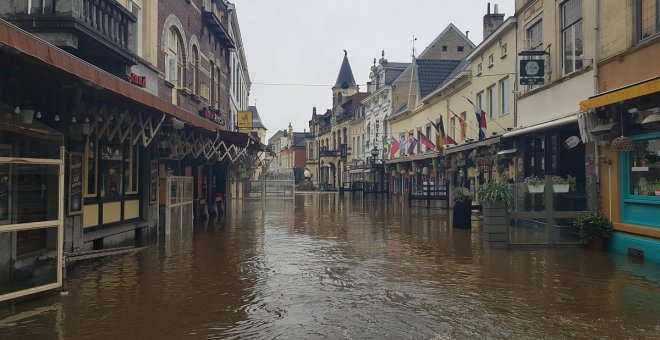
(212, 85)
(195, 70)
(175, 58)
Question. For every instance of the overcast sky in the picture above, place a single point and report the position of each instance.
(294, 47)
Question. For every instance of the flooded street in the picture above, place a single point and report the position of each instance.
(329, 267)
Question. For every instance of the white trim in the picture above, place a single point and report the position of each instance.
(542, 126)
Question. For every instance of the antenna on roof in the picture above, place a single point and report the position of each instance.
(413, 45)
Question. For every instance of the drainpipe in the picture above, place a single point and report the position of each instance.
(596, 48)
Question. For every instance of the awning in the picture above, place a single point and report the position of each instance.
(631, 91)
(472, 145)
(542, 126)
(17, 41)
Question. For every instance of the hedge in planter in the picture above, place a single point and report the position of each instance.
(593, 228)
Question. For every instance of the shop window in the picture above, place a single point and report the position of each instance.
(110, 169)
(644, 168)
(91, 167)
(131, 166)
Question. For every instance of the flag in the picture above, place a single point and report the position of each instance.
(426, 142)
(402, 146)
(449, 140)
(386, 147)
(463, 124)
(412, 143)
(395, 147)
(481, 119)
(441, 136)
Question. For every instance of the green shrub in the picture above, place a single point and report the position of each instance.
(593, 226)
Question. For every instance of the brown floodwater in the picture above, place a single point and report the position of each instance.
(321, 266)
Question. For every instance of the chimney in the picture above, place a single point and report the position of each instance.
(492, 21)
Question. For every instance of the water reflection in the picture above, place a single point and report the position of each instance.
(325, 266)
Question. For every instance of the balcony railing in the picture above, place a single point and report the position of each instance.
(105, 18)
(217, 25)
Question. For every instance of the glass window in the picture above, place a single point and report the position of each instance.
(195, 70)
(492, 103)
(460, 48)
(503, 50)
(212, 97)
(135, 7)
(645, 168)
(534, 36)
(452, 127)
(28, 193)
(110, 169)
(131, 166)
(491, 59)
(505, 91)
(91, 166)
(648, 13)
(174, 58)
(571, 32)
(33, 141)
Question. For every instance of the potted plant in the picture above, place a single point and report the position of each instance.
(593, 228)
(562, 185)
(535, 185)
(462, 211)
(495, 194)
(496, 199)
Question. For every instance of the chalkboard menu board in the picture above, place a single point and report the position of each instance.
(75, 203)
(153, 182)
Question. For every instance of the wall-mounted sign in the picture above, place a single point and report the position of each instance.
(137, 80)
(204, 91)
(532, 72)
(212, 115)
(245, 120)
(75, 202)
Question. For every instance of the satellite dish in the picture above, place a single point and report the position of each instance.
(571, 142)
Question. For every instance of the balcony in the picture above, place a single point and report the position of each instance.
(217, 26)
(98, 31)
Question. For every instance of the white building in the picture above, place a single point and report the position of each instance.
(239, 83)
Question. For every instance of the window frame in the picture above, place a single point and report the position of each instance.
(504, 96)
(491, 93)
(638, 21)
(571, 27)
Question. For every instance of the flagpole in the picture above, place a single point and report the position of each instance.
(459, 118)
(492, 119)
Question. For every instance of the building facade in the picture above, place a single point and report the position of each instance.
(623, 126)
(123, 117)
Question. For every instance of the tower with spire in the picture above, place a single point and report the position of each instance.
(345, 85)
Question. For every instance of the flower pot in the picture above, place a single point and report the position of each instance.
(597, 244)
(536, 189)
(560, 188)
(657, 192)
(28, 116)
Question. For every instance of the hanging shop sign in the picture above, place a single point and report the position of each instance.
(245, 120)
(137, 80)
(74, 205)
(532, 72)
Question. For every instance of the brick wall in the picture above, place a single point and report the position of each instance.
(188, 18)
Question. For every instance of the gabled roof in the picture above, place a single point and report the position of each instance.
(442, 34)
(299, 139)
(431, 73)
(345, 73)
(392, 73)
(256, 119)
(463, 66)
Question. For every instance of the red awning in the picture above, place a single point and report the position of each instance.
(16, 40)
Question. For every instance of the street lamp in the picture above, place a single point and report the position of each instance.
(374, 154)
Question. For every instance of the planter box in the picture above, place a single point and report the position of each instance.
(495, 225)
(560, 188)
(536, 189)
(462, 214)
